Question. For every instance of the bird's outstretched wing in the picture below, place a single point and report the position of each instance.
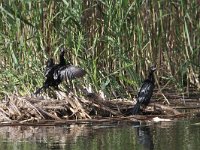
(69, 73)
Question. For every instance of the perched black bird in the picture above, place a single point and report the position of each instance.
(56, 73)
(145, 92)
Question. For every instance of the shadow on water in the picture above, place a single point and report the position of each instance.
(177, 135)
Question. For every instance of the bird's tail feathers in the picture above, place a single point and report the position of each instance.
(136, 109)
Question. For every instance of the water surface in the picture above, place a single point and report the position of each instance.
(175, 135)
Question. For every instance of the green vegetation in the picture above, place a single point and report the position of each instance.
(115, 41)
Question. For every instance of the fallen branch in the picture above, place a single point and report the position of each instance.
(165, 109)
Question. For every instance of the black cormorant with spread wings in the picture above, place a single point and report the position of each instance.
(56, 73)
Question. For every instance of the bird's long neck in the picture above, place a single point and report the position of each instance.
(50, 63)
(62, 59)
(151, 76)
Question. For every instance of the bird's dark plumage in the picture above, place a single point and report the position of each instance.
(69, 73)
(49, 65)
(145, 93)
(56, 73)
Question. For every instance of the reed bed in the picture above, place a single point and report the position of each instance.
(114, 41)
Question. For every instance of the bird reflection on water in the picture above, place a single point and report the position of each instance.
(144, 136)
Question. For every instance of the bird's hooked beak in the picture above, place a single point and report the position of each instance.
(62, 50)
(153, 67)
(50, 62)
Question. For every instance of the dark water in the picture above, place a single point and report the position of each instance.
(176, 135)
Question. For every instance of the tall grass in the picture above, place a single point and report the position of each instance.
(115, 41)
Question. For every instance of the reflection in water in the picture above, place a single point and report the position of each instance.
(120, 136)
(41, 137)
(144, 136)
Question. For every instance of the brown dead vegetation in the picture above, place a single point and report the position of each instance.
(91, 108)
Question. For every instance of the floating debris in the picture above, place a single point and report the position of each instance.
(157, 119)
